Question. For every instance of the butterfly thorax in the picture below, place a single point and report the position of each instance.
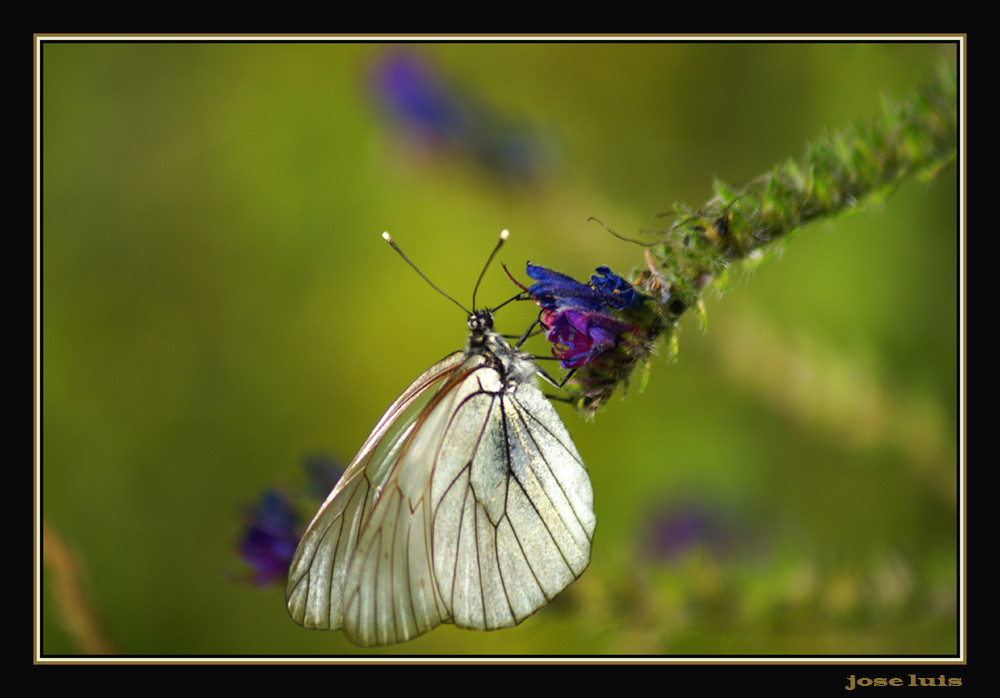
(515, 368)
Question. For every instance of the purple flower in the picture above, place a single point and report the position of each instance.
(578, 336)
(270, 538)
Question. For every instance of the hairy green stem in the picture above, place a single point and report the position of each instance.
(742, 225)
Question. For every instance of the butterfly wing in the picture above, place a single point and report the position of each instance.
(474, 508)
(317, 573)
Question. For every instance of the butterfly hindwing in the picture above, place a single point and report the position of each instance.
(553, 477)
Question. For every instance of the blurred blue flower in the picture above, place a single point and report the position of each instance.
(415, 96)
(271, 536)
(430, 110)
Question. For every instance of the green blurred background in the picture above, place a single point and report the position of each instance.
(217, 304)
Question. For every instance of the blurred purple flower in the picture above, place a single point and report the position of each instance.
(272, 527)
(678, 532)
(681, 528)
(270, 538)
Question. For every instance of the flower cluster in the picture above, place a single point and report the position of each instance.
(579, 318)
(600, 330)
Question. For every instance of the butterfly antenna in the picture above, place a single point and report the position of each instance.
(385, 236)
(504, 234)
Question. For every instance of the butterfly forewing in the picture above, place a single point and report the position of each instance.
(468, 504)
(390, 594)
(318, 570)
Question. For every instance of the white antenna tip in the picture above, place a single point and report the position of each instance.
(385, 236)
(504, 234)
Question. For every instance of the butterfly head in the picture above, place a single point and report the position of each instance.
(480, 322)
(482, 338)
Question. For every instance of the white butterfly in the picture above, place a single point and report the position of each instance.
(468, 504)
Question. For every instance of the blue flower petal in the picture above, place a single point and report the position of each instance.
(617, 291)
(555, 290)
